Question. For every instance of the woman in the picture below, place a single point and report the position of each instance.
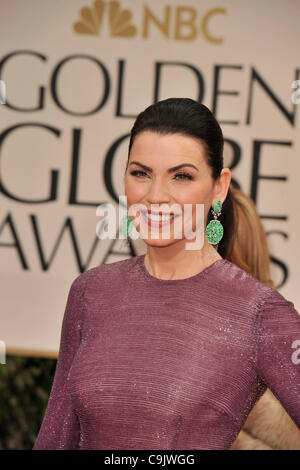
(170, 350)
(268, 426)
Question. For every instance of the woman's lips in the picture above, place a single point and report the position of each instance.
(158, 223)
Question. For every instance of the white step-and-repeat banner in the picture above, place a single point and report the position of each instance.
(76, 74)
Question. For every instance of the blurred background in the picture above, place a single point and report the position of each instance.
(74, 76)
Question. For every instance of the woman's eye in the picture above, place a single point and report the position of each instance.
(137, 173)
(184, 176)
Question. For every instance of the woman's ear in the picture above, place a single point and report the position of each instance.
(222, 185)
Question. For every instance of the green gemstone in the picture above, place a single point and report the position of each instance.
(217, 206)
(214, 232)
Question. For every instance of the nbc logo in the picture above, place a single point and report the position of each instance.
(181, 23)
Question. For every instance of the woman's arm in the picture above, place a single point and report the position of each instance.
(278, 351)
(60, 427)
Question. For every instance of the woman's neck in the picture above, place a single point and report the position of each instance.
(181, 265)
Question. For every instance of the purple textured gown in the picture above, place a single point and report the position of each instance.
(147, 363)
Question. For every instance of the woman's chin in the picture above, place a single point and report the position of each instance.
(158, 237)
(159, 242)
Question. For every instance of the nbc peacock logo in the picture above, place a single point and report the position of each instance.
(180, 23)
(119, 20)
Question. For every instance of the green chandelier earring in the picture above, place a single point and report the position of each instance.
(214, 230)
(126, 224)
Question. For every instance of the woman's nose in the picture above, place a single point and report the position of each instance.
(158, 192)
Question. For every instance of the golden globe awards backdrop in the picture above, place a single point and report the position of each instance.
(76, 75)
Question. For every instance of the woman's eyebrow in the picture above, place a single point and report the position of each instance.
(170, 170)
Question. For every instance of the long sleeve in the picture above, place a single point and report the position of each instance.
(278, 351)
(60, 427)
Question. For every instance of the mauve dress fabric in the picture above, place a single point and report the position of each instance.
(148, 363)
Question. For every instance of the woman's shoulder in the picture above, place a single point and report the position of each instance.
(244, 284)
(241, 283)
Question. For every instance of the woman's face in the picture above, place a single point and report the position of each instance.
(150, 179)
